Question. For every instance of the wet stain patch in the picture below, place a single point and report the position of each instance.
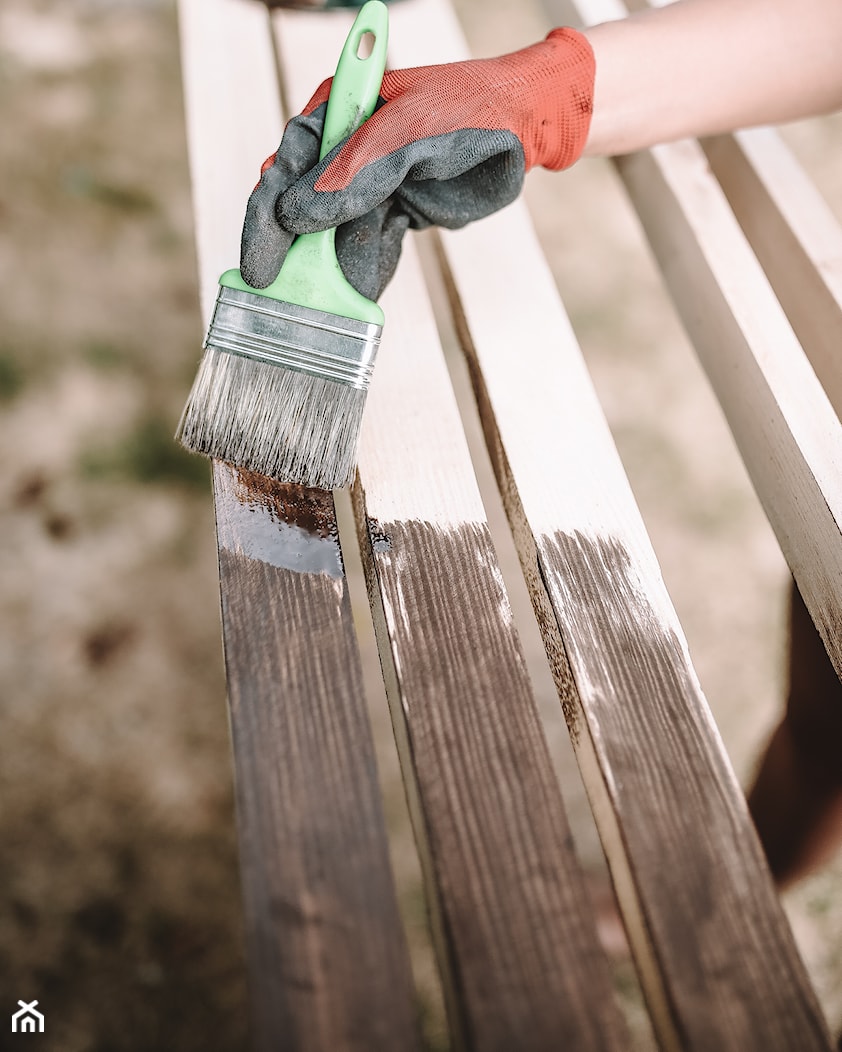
(291, 527)
(677, 807)
(631, 670)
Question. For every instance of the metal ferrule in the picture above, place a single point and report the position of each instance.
(299, 338)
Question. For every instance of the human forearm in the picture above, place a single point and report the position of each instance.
(698, 67)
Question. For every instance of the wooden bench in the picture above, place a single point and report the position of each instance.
(513, 926)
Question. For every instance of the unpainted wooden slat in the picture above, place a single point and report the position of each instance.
(781, 417)
(327, 955)
(717, 958)
(513, 925)
(233, 114)
(796, 237)
(787, 432)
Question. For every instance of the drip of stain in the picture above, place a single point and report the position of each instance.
(291, 527)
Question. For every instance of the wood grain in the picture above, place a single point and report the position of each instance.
(327, 955)
(517, 947)
(233, 114)
(515, 923)
(513, 917)
(328, 963)
(782, 418)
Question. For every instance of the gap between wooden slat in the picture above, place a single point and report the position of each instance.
(543, 683)
(796, 236)
(645, 954)
(406, 864)
(680, 738)
(293, 93)
(657, 995)
(455, 698)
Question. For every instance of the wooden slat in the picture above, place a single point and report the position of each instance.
(781, 417)
(233, 113)
(717, 958)
(513, 927)
(787, 432)
(328, 965)
(794, 234)
(699, 905)
(796, 237)
(327, 955)
(515, 920)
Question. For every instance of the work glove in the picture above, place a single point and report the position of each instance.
(446, 145)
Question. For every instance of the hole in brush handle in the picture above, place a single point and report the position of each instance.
(365, 47)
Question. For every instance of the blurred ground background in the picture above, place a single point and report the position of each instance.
(119, 899)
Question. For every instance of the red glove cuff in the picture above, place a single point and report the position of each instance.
(564, 100)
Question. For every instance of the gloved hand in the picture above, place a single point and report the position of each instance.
(447, 145)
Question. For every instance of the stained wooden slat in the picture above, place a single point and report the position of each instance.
(699, 905)
(516, 922)
(329, 967)
(514, 930)
(716, 955)
(796, 237)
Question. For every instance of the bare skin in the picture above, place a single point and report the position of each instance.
(698, 67)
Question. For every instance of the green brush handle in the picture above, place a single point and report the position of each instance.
(311, 275)
(356, 83)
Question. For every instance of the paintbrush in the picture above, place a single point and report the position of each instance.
(284, 376)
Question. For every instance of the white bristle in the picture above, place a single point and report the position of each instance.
(275, 421)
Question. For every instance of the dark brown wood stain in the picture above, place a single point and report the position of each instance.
(521, 959)
(723, 947)
(291, 527)
(328, 960)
